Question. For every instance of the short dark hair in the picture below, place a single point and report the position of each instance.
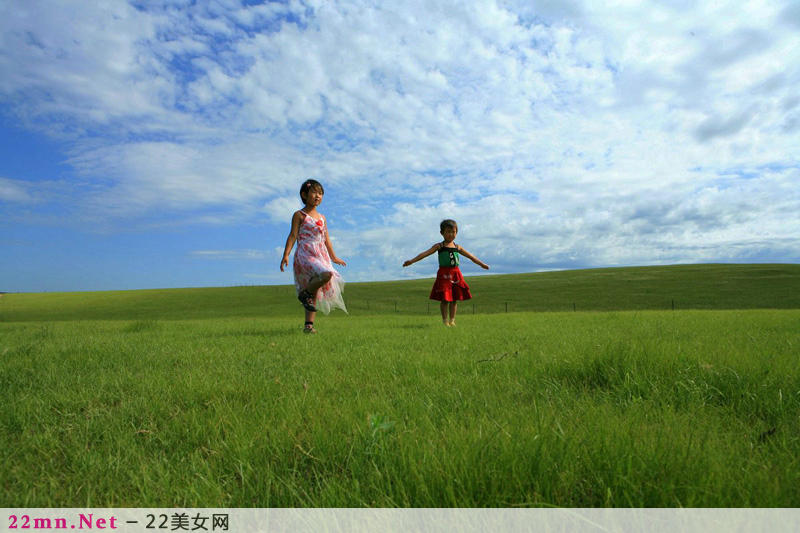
(309, 185)
(448, 223)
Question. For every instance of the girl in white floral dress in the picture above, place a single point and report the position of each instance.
(318, 284)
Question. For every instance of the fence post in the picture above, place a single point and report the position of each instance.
(574, 307)
(673, 304)
(506, 307)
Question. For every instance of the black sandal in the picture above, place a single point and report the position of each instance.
(307, 300)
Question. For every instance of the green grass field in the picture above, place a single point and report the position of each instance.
(213, 397)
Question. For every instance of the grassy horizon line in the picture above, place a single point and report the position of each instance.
(696, 286)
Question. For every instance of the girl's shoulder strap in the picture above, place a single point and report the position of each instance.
(298, 217)
(304, 215)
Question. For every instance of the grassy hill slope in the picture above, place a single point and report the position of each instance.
(714, 286)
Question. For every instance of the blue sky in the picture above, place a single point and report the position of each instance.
(162, 143)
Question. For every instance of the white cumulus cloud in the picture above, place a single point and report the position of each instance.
(568, 133)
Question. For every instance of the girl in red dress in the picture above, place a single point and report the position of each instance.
(449, 287)
(318, 284)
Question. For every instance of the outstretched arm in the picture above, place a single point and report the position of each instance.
(290, 240)
(473, 258)
(329, 246)
(423, 255)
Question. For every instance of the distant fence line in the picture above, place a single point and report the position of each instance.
(403, 304)
(425, 307)
(431, 307)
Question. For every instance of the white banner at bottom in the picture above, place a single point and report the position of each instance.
(162, 520)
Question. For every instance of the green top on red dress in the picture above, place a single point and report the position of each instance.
(448, 257)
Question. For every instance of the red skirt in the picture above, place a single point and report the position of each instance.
(450, 286)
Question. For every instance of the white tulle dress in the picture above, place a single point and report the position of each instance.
(311, 259)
